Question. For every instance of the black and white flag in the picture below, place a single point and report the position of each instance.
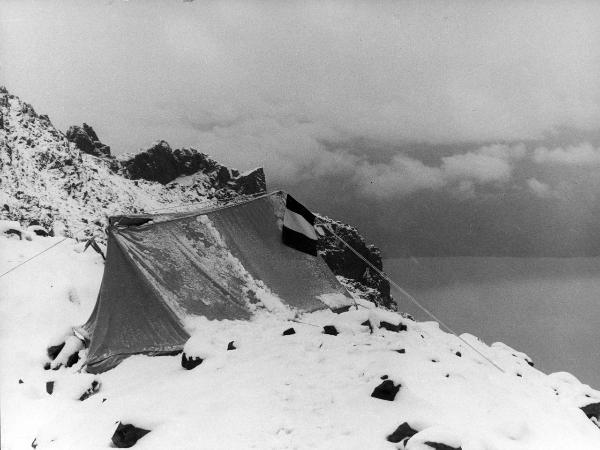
(299, 227)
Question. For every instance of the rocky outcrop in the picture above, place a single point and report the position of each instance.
(162, 164)
(86, 140)
(356, 274)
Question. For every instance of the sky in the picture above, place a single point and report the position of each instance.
(436, 128)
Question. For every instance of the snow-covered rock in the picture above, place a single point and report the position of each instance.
(49, 177)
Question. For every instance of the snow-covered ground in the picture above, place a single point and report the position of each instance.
(306, 390)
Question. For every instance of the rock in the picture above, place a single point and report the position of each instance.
(50, 387)
(13, 232)
(592, 410)
(251, 182)
(86, 140)
(54, 350)
(231, 346)
(441, 446)
(289, 331)
(38, 230)
(404, 431)
(344, 263)
(73, 359)
(20, 381)
(387, 390)
(126, 435)
(330, 329)
(391, 327)
(400, 350)
(367, 323)
(90, 132)
(459, 354)
(162, 164)
(223, 176)
(189, 363)
(93, 389)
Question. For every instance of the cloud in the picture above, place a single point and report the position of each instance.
(400, 177)
(582, 155)
(480, 167)
(538, 188)
(392, 72)
(404, 175)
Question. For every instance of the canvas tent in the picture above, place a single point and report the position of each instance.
(222, 264)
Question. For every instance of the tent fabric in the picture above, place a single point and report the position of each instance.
(221, 264)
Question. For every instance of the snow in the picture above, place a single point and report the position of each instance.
(334, 300)
(307, 390)
(6, 225)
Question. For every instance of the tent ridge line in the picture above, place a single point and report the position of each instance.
(194, 214)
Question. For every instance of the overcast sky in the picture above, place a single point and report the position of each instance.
(435, 127)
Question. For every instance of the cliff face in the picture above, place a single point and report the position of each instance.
(355, 273)
(72, 181)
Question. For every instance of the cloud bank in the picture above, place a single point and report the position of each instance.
(403, 106)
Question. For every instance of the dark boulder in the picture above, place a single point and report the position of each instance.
(13, 232)
(54, 350)
(289, 331)
(386, 326)
(330, 329)
(73, 359)
(231, 346)
(50, 387)
(126, 435)
(387, 390)
(592, 410)
(93, 389)
(39, 231)
(190, 362)
(393, 327)
(404, 431)
(441, 446)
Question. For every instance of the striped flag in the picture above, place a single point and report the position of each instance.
(299, 227)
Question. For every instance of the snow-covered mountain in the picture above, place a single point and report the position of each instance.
(47, 178)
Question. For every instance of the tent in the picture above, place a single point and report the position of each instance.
(221, 263)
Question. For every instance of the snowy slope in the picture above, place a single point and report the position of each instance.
(307, 390)
(46, 178)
